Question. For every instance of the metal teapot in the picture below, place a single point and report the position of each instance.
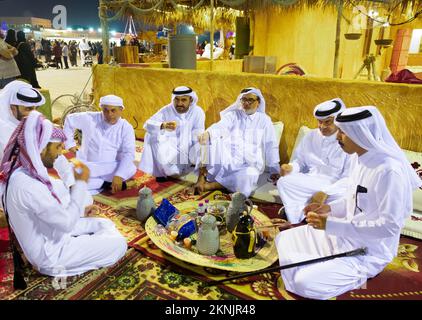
(145, 205)
(244, 237)
(208, 240)
(238, 205)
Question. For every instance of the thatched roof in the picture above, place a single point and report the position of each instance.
(197, 12)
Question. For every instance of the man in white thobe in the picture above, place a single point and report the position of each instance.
(108, 145)
(318, 164)
(53, 236)
(171, 143)
(241, 145)
(17, 100)
(83, 49)
(371, 215)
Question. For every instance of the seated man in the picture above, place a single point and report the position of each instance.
(172, 136)
(17, 100)
(108, 145)
(371, 215)
(53, 236)
(317, 165)
(241, 145)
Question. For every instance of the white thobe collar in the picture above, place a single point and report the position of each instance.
(369, 159)
(105, 125)
(182, 116)
(248, 117)
(330, 139)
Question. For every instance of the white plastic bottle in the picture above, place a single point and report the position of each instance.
(207, 204)
(201, 209)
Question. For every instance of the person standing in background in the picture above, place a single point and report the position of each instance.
(65, 52)
(26, 61)
(9, 71)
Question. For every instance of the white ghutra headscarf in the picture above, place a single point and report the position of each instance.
(238, 104)
(183, 91)
(21, 94)
(330, 108)
(366, 127)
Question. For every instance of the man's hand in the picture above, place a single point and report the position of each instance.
(317, 208)
(74, 149)
(170, 125)
(285, 169)
(116, 184)
(204, 138)
(81, 172)
(317, 220)
(91, 210)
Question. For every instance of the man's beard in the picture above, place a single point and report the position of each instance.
(19, 115)
(182, 109)
(48, 163)
(249, 111)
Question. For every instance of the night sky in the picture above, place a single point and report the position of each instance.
(79, 12)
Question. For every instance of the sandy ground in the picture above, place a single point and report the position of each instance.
(64, 81)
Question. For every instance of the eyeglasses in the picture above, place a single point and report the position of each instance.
(248, 101)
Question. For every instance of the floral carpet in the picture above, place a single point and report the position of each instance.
(147, 273)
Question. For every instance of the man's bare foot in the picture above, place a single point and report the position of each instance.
(199, 187)
(211, 186)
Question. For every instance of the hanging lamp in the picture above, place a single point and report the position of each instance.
(353, 33)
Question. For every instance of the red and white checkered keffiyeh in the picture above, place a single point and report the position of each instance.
(25, 145)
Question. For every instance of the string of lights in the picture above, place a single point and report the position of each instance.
(388, 17)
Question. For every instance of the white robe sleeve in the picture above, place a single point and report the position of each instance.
(198, 126)
(126, 154)
(387, 222)
(346, 167)
(338, 208)
(299, 163)
(272, 156)
(75, 121)
(223, 127)
(51, 212)
(153, 124)
(65, 170)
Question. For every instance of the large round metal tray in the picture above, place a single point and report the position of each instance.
(224, 259)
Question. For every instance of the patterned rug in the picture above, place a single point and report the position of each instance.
(159, 277)
(146, 273)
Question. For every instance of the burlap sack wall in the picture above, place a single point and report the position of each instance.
(289, 99)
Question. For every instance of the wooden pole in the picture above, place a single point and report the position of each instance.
(212, 35)
(104, 29)
(338, 31)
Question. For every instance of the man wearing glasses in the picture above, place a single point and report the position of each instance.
(236, 150)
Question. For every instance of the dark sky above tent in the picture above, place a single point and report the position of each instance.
(83, 13)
